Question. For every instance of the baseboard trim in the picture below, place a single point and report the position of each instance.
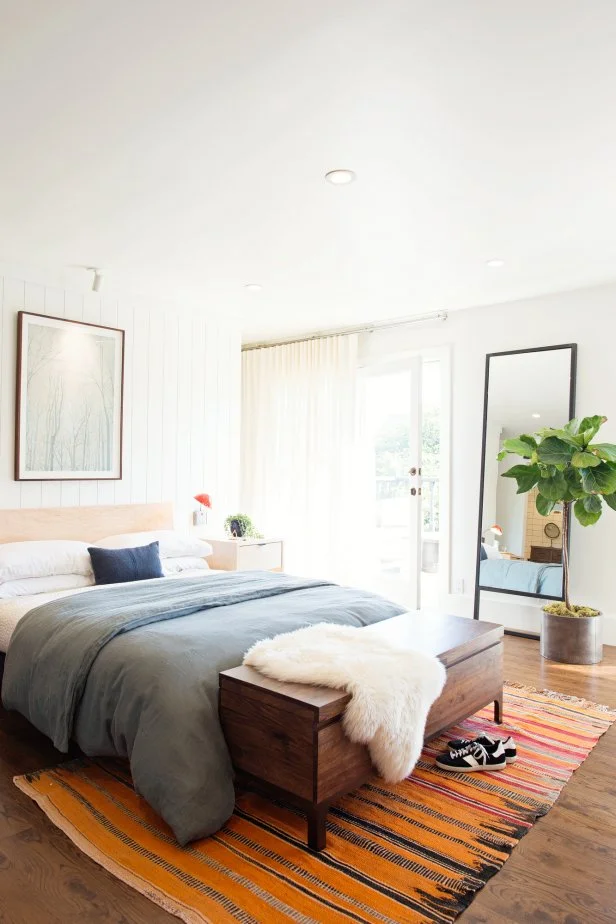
(517, 634)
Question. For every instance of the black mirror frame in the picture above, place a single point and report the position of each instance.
(572, 388)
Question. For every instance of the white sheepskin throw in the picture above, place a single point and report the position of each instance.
(392, 688)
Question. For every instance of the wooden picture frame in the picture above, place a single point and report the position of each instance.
(69, 400)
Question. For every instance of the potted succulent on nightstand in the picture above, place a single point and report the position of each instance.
(568, 468)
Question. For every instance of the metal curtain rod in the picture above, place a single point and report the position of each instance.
(365, 329)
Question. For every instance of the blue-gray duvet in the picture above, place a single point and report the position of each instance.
(132, 671)
(529, 577)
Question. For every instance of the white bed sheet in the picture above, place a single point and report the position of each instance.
(13, 609)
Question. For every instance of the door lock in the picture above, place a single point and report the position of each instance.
(415, 491)
(414, 471)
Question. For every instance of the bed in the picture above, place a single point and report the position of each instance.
(83, 523)
(132, 670)
(527, 577)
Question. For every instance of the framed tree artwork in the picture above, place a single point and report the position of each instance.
(70, 378)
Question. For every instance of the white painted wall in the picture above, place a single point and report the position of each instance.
(490, 492)
(586, 317)
(181, 400)
(511, 507)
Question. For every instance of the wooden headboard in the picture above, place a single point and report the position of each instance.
(85, 523)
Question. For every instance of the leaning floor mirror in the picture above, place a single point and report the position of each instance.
(519, 551)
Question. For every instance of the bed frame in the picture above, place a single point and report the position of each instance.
(87, 524)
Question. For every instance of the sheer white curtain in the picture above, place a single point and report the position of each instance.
(298, 451)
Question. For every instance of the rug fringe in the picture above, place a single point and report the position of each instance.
(563, 697)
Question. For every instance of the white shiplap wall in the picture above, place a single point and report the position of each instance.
(181, 402)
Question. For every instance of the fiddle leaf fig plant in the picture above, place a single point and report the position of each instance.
(566, 467)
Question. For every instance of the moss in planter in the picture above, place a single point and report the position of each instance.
(560, 609)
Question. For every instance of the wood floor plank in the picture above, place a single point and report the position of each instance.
(560, 873)
(45, 878)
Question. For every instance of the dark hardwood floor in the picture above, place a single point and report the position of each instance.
(562, 872)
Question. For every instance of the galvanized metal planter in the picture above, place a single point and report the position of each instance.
(572, 640)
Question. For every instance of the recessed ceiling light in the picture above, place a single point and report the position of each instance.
(536, 415)
(495, 264)
(253, 287)
(340, 177)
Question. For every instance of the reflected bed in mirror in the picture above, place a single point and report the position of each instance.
(519, 551)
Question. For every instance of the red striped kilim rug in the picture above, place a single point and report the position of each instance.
(414, 852)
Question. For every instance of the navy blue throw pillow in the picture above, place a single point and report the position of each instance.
(119, 566)
(482, 553)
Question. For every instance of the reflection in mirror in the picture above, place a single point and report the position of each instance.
(519, 550)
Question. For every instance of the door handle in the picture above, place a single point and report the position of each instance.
(414, 471)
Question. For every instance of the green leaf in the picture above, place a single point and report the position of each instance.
(543, 505)
(599, 480)
(572, 426)
(588, 423)
(501, 455)
(574, 483)
(526, 476)
(605, 451)
(592, 504)
(548, 432)
(585, 460)
(590, 426)
(519, 447)
(588, 510)
(554, 450)
(554, 488)
(526, 438)
(610, 500)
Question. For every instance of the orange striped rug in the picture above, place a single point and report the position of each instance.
(414, 852)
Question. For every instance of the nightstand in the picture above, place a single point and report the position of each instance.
(246, 554)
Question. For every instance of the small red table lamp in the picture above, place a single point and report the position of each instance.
(200, 515)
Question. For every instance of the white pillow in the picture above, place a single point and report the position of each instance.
(185, 563)
(44, 585)
(171, 543)
(491, 551)
(42, 558)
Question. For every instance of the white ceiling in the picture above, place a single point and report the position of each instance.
(181, 145)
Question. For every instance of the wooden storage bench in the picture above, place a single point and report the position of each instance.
(286, 739)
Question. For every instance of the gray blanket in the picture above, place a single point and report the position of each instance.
(132, 671)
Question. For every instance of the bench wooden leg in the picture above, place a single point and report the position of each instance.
(498, 710)
(317, 832)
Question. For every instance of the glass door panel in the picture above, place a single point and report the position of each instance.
(431, 425)
(393, 445)
(402, 423)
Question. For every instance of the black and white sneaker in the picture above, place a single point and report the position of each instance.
(472, 757)
(490, 744)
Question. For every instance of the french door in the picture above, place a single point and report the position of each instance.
(402, 449)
